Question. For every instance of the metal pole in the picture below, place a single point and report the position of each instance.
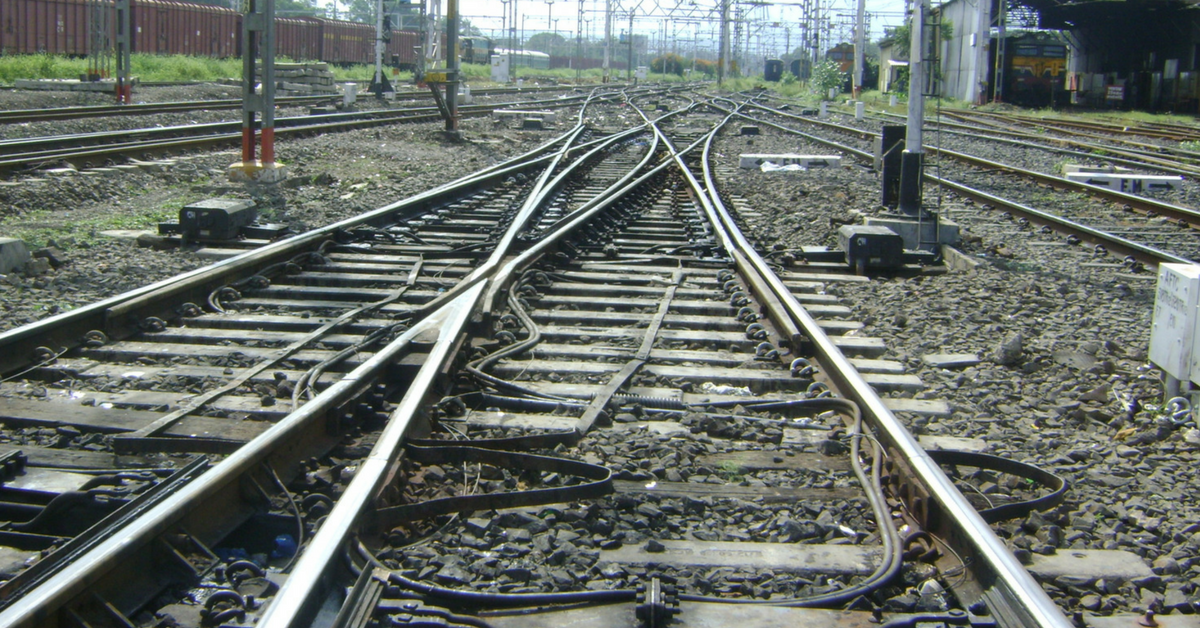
(912, 158)
(258, 33)
(452, 67)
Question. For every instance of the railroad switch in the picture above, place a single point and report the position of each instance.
(657, 603)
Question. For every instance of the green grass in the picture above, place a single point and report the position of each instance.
(152, 68)
(184, 68)
(39, 226)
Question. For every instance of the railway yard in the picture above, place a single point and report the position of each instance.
(585, 372)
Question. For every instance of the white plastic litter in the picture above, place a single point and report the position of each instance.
(714, 389)
(771, 167)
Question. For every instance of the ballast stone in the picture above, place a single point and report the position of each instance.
(14, 254)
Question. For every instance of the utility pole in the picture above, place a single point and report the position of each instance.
(512, 43)
(607, 36)
(723, 44)
(452, 67)
(579, 43)
(1001, 24)
(859, 42)
(550, 25)
(629, 70)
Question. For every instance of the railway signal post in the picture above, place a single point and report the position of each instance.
(919, 228)
(258, 31)
(124, 86)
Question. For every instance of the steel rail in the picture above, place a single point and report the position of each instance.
(141, 148)
(71, 113)
(1183, 134)
(17, 346)
(40, 602)
(1115, 243)
(1024, 596)
(57, 590)
(1134, 158)
(141, 109)
(292, 605)
(1176, 212)
(44, 143)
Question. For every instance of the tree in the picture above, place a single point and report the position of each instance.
(295, 8)
(902, 37)
(826, 75)
(545, 42)
(669, 63)
(359, 11)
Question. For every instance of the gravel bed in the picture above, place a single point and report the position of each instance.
(1032, 156)
(559, 547)
(1159, 232)
(1063, 380)
(331, 177)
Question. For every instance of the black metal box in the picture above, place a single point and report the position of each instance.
(871, 246)
(216, 218)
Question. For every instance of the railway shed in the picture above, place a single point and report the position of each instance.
(1134, 54)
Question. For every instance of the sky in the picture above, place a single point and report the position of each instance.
(775, 27)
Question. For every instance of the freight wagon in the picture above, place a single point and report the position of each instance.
(169, 27)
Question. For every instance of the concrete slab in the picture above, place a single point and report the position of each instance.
(1096, 564)
(952, 443)
(957, 260)
(1131, 183)
(790, 557)
(125, 235)
(950, 360)
(789, 159)
(14, 254)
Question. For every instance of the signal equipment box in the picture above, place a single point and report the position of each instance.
(869, 246)
(1173, 333)
(216, 218)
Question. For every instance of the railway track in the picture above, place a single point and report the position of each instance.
(566, 390)
(91, 149)
(1160, 158)
(14, 116)
(1173, 250)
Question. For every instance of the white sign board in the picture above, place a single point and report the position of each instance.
(1173, 327)
(640, 73)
